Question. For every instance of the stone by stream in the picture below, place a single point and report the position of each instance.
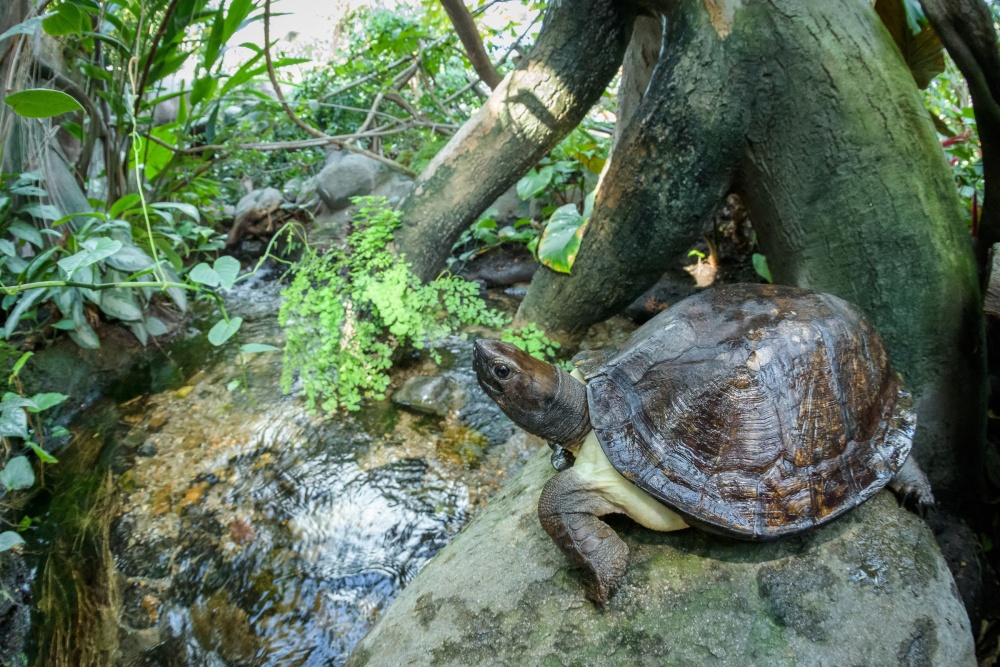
(869, 589)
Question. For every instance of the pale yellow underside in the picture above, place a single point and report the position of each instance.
(593, 465)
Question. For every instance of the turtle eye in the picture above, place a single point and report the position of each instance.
(502, 371)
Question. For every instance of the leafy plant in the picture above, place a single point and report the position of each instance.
(348, 310)
(23, 431)
(532, 340)
(559, 180)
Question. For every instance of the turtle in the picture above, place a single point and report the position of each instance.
(750, 410)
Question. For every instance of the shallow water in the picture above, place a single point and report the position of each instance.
(247, 531)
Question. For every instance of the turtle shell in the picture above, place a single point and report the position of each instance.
(754, 410)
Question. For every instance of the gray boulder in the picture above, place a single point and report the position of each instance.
(256, 206)
(869, 589)
(347, 175)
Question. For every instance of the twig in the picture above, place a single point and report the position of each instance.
(298, 121)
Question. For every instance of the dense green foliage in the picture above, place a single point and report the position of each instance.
(346, 312)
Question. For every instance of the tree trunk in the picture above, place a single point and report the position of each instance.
(578, 51)
(821, 129)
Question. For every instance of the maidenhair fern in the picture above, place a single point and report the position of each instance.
(346, 311)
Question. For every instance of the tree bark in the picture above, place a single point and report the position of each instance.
(578, 51)
(462, 21)
(821, 129)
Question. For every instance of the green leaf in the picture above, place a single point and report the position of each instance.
(26, 232)
(560, 242)
(227, 269)
(26, 301)
(203, 274)
(14, 423)
(223, 331)
(85, 336)
(129, 258)
(124, 203)
(46, 400)
(94, 251)
(42, 455)
(17, 474)
(29, 27)
(68, 19)
(43, 211)
(20, 364)
(7, 248)
(41, 103)
(760, 266)
(59, 431)
(29, 191)
(250, 348)
(156, 327)
(10, 540)
(534, 182)
(187, 209)
(120, 304)
(233, 385)
(203, 88)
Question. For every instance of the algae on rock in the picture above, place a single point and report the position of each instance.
(869, 589)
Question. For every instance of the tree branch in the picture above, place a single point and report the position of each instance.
(324, 138)
(461, 19)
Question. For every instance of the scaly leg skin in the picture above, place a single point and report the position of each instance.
(911, 486)
(569, 513)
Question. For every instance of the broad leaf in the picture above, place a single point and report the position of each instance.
(921, 49)
(26, 232)
(43, 211)
(227, 269)
(26, 301)
(156, 327)
(534, 182)
(10, 540)
(17, 474)
(94, 252)
(46, 400)
(120, 304)
(41, 103)
(250, 348)
(29, 27)
(42, 455)
(760, 266)
(223, 331)
(204, 275)
(560, 242)
(14, 423)
(124, 203)
(85, 336)
(68, 19)
(130, 259)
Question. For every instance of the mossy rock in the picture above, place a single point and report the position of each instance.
(869, 589)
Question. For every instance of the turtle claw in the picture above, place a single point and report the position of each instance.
(912, 488)
(562, 458)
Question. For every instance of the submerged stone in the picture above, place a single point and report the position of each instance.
(870, 588)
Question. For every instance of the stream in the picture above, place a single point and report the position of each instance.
(193, 524)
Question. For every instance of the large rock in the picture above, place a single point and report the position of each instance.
(347, 175)
(869, 589)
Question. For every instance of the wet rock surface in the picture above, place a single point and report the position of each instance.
(869, 589)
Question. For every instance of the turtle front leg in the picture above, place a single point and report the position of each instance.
(569, 513)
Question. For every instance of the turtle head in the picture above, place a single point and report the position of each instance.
(538, 397)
